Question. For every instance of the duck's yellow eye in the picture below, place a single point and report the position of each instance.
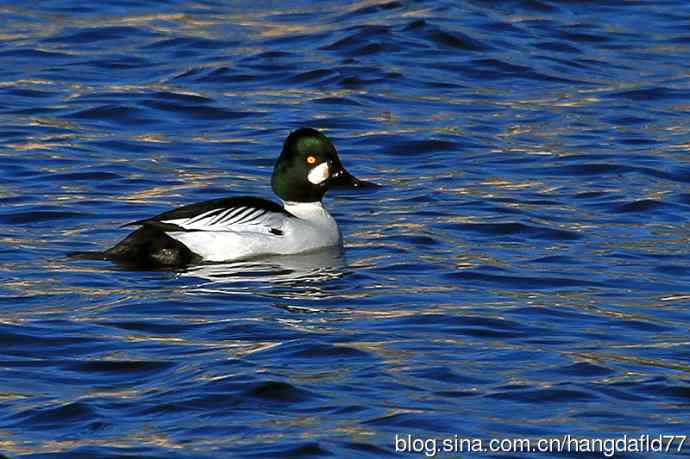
(311, 159)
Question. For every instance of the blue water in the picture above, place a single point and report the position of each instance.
(522, 273)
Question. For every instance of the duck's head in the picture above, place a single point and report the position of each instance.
(309, 166)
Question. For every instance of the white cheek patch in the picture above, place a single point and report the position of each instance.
(319, 173)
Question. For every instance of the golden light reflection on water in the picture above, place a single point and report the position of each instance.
(638, 360)
(8, 397)
(114, 393)
(153, 194)
(8, 445)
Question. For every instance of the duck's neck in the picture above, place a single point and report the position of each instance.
(306, 210)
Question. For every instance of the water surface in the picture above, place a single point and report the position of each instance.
(523, 271)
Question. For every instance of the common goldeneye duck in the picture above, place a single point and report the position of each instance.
(239, 228)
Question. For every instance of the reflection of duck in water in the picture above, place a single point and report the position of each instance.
(302, 270)
(245, 227)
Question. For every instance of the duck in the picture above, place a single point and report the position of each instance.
(247, 227)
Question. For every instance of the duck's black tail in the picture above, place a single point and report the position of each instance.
(146, 248)
(88, 255)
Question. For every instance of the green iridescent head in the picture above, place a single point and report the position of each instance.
(307, 167)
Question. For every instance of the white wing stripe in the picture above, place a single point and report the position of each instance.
(212, 221)
(200, 216)
(232, 215)
(257, 216)
(229, 219)
(239, 216)
(221, 215)
(250, 216)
